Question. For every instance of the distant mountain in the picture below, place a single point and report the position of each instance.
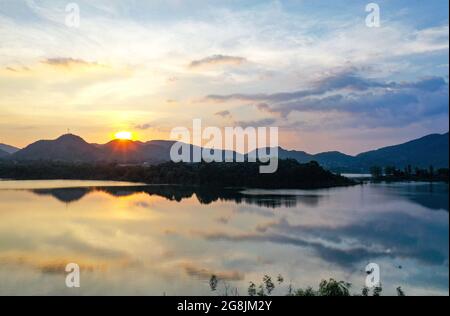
(9, 149)
(335, 160)
(3, 153)
(423, 152)
(431, 150)
(300, 156)
(68, 147)
(126, 151)
(332, 160)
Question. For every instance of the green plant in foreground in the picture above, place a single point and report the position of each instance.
(329, 287)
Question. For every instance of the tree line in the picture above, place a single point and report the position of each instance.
(410, 173)
(290, 173)
(329, 287)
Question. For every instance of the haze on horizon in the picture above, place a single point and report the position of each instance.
(313, 68)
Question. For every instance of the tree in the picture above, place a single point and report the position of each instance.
(400, 291)
(431, 171)
(389, 170)
(334, 288)
(280, 279)
(261, 291)
(365, 291)
(306, 292)
(376, 172)
(409, 170)
(268, 284)
(213, 283)
(377, 290)
(252, 289)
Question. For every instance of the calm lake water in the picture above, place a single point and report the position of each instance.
(155, 240)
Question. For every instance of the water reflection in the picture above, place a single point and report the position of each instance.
(179, 193)
(432, 196)
(152, 240)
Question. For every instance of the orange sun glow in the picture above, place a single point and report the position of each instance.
(124, 135)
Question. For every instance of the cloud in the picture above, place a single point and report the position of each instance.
(17, 69)
(256, 123)
(224, 114)
(144, 126)
(371, 102)
(145, 44)
(67, 62)
(11, 69)
(217, 60)
(264, 107)
(343, 80)
(430, 84)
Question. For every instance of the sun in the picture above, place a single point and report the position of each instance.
(124, 135)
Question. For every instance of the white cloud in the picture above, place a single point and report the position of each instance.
(285, 51)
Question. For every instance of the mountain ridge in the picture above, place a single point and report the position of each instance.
(422, 152)
(3, 153)
(8, 148)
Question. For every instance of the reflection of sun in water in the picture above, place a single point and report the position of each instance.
(124, 135)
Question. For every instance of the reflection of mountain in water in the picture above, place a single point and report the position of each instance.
(66, 195)
(178, 193)
(433, 196)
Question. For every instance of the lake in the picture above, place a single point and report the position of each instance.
(133, 239)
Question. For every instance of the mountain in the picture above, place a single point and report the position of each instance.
(8, 149)
(423, 152)
(68, 147)
(431, 150)
(335, 160)
(3, 153)
(300, 156)
(126, 151)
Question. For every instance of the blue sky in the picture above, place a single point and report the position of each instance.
(313, 68)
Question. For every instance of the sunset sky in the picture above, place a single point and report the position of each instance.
(313, 68)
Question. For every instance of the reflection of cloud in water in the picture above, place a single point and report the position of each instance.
(205, 274)
(393, 235)
(49, 265)
(343, 257)
(70, 242)
(396, 233)
(172, 243)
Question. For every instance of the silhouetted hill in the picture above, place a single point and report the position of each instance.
(65, 148)
(300, 156)
(334, 160)
(124, 151)
(423, 152)
(3, 154)
(8, 149)
(431, 150)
